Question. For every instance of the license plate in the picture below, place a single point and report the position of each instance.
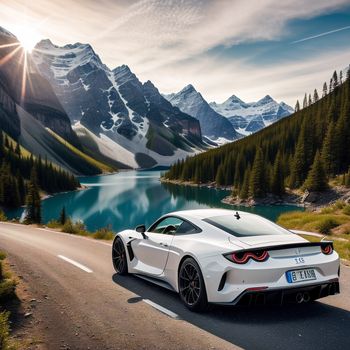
(300, 275)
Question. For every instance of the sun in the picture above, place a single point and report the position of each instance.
(28, 38)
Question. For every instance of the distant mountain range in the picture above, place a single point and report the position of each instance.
(248, 118)
(213, 125)
(88, 118)
(215, 118)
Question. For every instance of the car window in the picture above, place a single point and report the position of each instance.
(167, 226)
(186, 228)
(246, 225)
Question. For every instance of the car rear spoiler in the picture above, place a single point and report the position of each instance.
(287, 246)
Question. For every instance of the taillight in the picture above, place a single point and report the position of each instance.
(327, 248)
(245, 256)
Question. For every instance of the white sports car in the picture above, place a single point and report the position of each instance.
(227, 257)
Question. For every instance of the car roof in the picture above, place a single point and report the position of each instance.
(207, 213)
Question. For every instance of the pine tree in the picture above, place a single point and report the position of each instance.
(305, 101)
(347, 179)
(316, 179)
(220, 176)
(335, 79)
(63, 216)
(21, 187)
(315, 96)
(33, 205)
(257, 186)
(299, 163)
(327, 154)
(244, 190)
(18, 149)
(324, 90)
(277, 180)
(341, 77)
(310, 100)
(331, 85)
(297, 107)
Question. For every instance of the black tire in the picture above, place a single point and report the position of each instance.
(120, 262)
(191, 286)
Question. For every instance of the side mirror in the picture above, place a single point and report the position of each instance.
(141, 229)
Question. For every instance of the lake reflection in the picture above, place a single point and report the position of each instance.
(127, 199)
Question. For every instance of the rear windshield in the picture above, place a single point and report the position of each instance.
(246, 225)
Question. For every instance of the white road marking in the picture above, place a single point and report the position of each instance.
(161, 308)
(75, 263)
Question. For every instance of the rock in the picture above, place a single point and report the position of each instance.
(304, 196)
(27, 314)
(313, 197)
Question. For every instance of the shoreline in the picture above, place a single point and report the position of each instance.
(311, 201)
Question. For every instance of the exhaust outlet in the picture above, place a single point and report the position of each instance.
(306, 297)
(299, 298)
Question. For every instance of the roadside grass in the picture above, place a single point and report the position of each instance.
(7, 292)
(78, 228)
(333, 222)
(2, 216)
(328, 220)
(7, 283)
(103, 167)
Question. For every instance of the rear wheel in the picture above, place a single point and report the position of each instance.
(120, 262)
(191, 286)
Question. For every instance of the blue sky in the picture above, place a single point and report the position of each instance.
(269, 52)
(222, 47)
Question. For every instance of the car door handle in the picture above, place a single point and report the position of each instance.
(163, 244)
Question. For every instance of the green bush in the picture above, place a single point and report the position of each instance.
(103, 233)
(80, 228)
(339, 204)
(4, 330)
(69, 227)
(326, 225)
(2, 255)
(346, 210)
(2, 216)
(7, 289)
(77, 228)
(53, 224)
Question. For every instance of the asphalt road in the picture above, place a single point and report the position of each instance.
(85, 305)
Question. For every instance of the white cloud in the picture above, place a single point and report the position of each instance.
(167, 40)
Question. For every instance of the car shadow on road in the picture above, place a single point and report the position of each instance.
(306, 326)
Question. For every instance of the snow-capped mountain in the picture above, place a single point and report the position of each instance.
(250, 117)
(113, 109)
(213, 125)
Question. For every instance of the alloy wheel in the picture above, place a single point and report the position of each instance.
(190, 284)
(119, 256)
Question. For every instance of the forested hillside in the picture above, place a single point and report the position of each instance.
(304, 150)
(18, 170)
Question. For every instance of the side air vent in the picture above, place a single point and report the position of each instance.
(222, 282)
(130, 251)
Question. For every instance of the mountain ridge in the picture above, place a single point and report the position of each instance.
(213, 125)
(114, 103)
(250, 117)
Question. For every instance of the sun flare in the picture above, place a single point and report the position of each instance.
(28, 38)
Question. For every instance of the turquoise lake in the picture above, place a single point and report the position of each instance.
(127, 199)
